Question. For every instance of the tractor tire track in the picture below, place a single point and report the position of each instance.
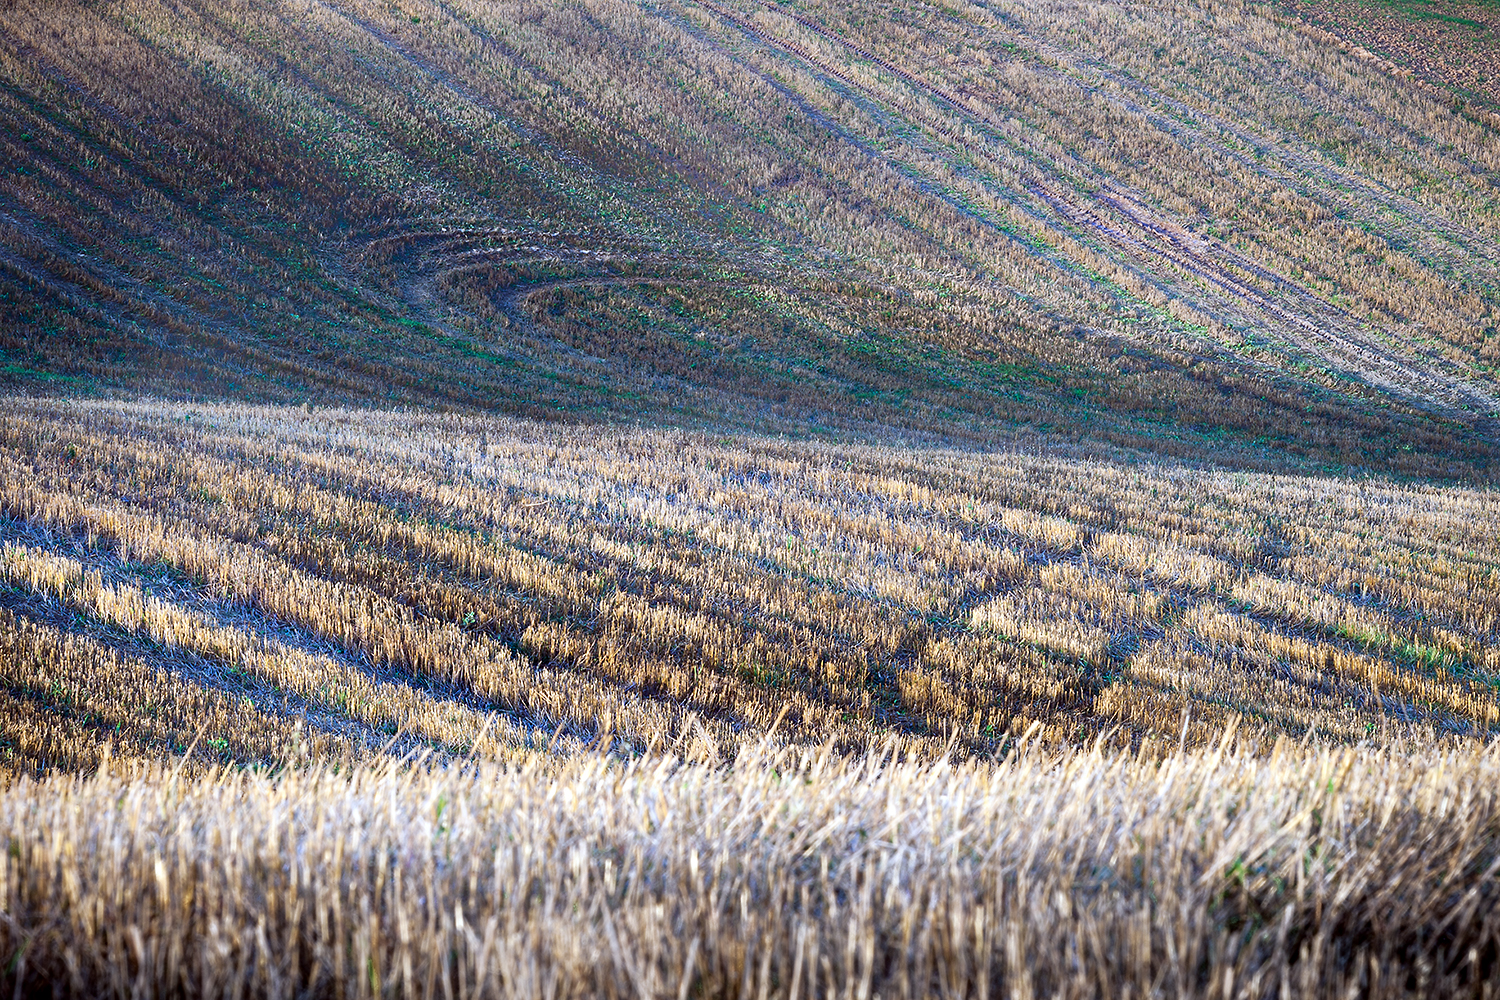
(1455, 396)
(1317, 326)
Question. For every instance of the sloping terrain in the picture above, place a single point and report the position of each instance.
(1209, 230)
(351, 703)
(739, 498)
(1448, 44)
(486, 586)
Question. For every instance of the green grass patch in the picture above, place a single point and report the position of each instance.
(21, 371)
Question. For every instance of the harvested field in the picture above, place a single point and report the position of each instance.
(1215, 873)
(1195, 230)
(749, 499)
(442, 575)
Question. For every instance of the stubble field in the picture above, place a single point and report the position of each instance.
(607, 711)
(708, 498)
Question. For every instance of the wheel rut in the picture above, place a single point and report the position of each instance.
(1123, 220)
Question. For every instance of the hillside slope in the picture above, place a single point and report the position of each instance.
(501, 587)
(1201, 229)
(728, 498)
(377, 703)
